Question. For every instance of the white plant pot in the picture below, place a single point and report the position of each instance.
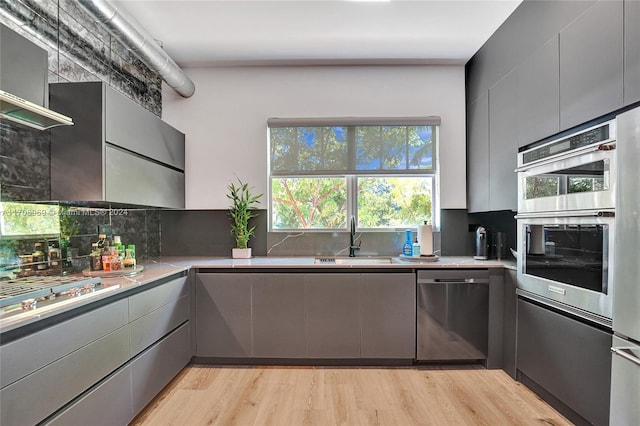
(241, 253)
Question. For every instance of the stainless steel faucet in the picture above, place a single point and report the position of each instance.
(352, 236)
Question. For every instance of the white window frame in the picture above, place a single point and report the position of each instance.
(352, 176)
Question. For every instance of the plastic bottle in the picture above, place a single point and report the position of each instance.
(416, 249)
(407, 248)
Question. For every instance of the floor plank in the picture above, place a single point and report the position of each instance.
(243, 396)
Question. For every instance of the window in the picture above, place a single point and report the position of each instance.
(323, 171)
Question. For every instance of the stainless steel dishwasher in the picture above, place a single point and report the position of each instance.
(453, 315)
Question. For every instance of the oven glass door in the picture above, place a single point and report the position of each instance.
(582, 182)
(572, 254)
(590, 177)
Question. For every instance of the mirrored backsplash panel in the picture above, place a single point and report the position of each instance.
(64, 234)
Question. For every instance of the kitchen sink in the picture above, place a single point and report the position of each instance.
(354, 260)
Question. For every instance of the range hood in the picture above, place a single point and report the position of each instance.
(29, 114)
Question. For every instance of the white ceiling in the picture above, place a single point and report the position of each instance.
(218, 32)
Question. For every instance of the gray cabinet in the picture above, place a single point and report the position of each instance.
(591, 64)
(158, 365)
(278, 315)
(123, 352)
(510, 304)
(118, 151)
(631, 52)
(223, 315)
(33, 398)
(503, 132)
(23, 67)
(90, 409)
(538, 100)
(305, 315)
(388, 311)
(333, 315)
(568, 359)
(478, 155)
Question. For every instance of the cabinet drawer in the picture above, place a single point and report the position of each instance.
(151, 327)
(142, 303)
(568, 358)
(134, 180)
(93, 409)
(37, 396)
(158, 365)
(138, 130)
(24, 356)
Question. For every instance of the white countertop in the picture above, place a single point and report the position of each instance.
(309, 262)
(163, 267)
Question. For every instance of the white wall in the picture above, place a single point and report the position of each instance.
(225, 121)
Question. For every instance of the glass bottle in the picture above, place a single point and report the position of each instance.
(95, 258)
(39, 257)
(129, 261)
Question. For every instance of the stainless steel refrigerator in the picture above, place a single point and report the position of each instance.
(625, 371)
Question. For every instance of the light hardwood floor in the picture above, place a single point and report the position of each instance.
(282, 396)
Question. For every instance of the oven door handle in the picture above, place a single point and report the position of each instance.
(607, 146)
(626, 353)
(577, 213)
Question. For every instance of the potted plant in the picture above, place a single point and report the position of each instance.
(242, 209)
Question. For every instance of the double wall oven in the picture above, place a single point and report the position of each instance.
(566, 210)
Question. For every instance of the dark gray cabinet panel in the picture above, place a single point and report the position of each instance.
(591, 64)
(538, 103)
(568, 358)
(509, 323)
(151, 327)
(131, 127)
(333, 315)
(37, 396)
(143, 303)
(388, 316)
(478, 155)
(23, 67)
(631, 51)
(92, 409)
(138, 165)
(503, 149)
(19, 358)
(223, 315)
(278, 316)
(155, 367)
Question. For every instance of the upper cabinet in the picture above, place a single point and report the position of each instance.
(478, 155)
(591, 64)
(118, 151)
(551, 66)
(631, 51)
(539, 94)
(503, 132)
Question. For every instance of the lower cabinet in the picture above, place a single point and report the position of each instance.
(388, 311)
(333, 315)
(101, 367)
(158, 365)
(566, 361)
(278, 316)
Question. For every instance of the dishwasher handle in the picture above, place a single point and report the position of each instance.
(453, 281)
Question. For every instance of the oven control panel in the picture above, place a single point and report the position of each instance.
(599, 134)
